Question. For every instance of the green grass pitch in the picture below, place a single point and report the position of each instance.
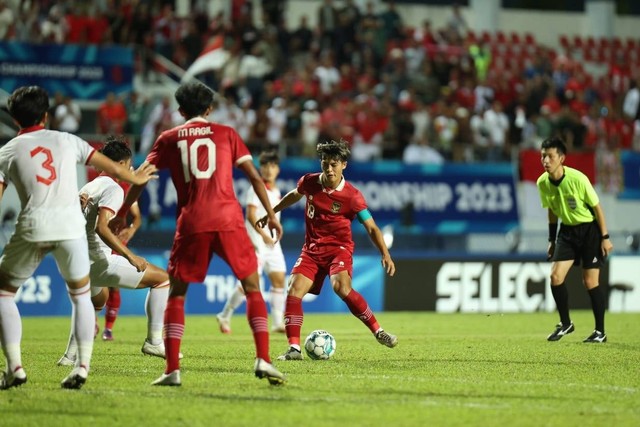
(448, 370)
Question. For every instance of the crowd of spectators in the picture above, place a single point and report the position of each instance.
(439, 92)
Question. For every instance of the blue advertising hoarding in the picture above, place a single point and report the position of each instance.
(45, 294)
(81, 72)
(441, 198)
(631, 174)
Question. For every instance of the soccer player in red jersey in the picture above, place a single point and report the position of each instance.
(200, 156)
(332, 204)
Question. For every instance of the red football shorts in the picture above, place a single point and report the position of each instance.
(191, 255)
(315, 265)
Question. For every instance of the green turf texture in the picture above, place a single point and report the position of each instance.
(448, 370)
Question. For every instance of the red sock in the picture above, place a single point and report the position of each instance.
(293, 318)
(257, 316)
(173, 331)
(113, 306)
(359, 308)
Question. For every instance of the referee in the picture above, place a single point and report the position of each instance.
(582, 239)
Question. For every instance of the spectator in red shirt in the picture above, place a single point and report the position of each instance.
(112, 115)
(77, 25)
(370, 126)
(98, 29)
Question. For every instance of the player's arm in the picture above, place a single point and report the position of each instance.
(127, 233)
(84, 201)
(291, 198)
(553, 231)
(252, 218)
(258, 186)
(375, 235)
(107, 236)
(606, 246)
(141, 176)
(3, 186)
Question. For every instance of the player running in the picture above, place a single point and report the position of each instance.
(332, 204)
(200, 156)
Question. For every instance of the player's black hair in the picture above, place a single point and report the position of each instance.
(194, 99)
(555, 142)
(338, 150)
(116, 148)
(28, 105)
(269, 157)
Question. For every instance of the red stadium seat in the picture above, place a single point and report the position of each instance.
(529, 38)
(631, 43)
(515, 38)
(471, 36)
(590, 42)
(616, 42)
(495, 50)
(587, 54)
(603, 56)
(588, 79)
(577, 42)
(500, 37)
(564, 41)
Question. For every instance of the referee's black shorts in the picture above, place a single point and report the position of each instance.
(580, 243)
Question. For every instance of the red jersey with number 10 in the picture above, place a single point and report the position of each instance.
(200, 156)
(329, 212)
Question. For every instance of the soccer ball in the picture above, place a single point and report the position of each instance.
(320, 345)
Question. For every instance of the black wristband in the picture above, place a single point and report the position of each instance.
(553, 230)
(605, 236)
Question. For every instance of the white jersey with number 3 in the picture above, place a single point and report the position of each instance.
(42, 165)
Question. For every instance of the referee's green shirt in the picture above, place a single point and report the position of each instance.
(572, 199)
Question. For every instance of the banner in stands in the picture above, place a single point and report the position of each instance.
(500, 285)
(81, 72)
(45, 294)
(447, 198)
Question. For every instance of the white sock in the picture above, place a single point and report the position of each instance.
(154, 307)
(10, 329)
(277, 301)
(84, 324)
(72, 346)
(234, 301)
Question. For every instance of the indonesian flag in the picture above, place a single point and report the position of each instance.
(212, 57)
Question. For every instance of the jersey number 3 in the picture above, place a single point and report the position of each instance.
(47, 165)
(190, 161)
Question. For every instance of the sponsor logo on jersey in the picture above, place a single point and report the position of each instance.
(571, 201)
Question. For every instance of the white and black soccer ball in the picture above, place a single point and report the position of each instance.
(320, 345)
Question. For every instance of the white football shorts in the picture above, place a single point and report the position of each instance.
(21, 258)
(114, 271)
(271, 260)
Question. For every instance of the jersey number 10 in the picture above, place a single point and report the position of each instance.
(189, 156)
